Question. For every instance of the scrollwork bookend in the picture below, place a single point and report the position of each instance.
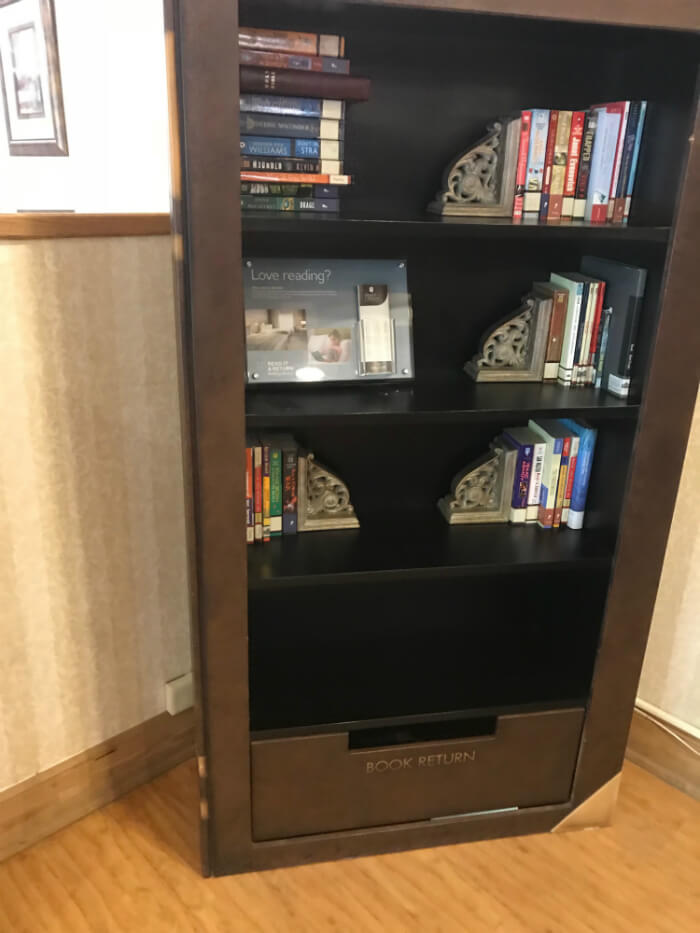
(480, 182)
(514, 349)
(482, 491)
(324, 499)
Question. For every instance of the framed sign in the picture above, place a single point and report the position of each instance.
(30, 79)
(332, 320)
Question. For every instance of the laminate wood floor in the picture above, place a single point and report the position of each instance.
(132, 868)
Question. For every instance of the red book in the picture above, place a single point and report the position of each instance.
(249, 513)
(595, 334)
(300, 178)
(521, 166)
(548, 159)
(258, 491)
(578, 118)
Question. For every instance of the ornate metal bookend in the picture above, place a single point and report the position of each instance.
(324, 499)
(514, 350)
(481, 181)
(482, 492)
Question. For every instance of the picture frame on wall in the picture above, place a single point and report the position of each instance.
(30, 79)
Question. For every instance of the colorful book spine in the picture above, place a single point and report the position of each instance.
(258, 202)
(570, 474)
(293, 167)
(559, 167)
(548, 161)
(539, 451)
(584, 463)
(258, 490)
(289, 489)
(561, 481)
(584, 168)
(590, 303)
(290, 147)
(623, 108)
(635, 160)
(535, 163)
(282, 40)
(550, 479)
(521, 483)
(293, 106)
(300, 177)
(289, 190)
(260, 124)
(627, 153)
(576, 368)
(602, 165)
(595, 335)
(249, 514)
(275, 492)
(578, 119)
(283, 81)
(521, 167)
(573, 313)
(266, 492)
(603, 347)
(268, 59)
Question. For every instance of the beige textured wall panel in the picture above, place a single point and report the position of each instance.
(671, 673)
(94, 609)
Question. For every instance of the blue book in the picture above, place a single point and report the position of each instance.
(293, 106)
(291, 148)
(635, 160)
(262, 124)
(539, 128)
(524, 440)
(582, 476)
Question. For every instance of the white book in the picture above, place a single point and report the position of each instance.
(592, 304)
(618, 158)
(533, 499)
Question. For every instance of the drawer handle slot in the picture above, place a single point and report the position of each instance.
(384, 736)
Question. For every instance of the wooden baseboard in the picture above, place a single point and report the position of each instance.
(654, 749)
(48, 225)
(43, 804)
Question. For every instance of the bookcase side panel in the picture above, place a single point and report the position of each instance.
(650, 499)
(206, 42)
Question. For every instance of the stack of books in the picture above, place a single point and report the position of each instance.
(271, 486)
(295, 87)
(591, 319)
(578, 164)
(552, 471)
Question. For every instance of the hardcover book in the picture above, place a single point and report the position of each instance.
(573, 313)
(635, 160)
(284, 81)
(521, 165)
(579, 490)
(281, 40)
(291, 167)
(291, 148)
(578, 119)
(535, 162)
(548, 162)
(584, 168)
(259, 202)
(261, 124)
(559, 166)
(553, 436)
(327, 320)
(524, 440)
(269, 59)
(602, 165)
(626, 161)
(559, 298)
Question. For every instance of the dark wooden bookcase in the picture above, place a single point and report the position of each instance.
(321, 656)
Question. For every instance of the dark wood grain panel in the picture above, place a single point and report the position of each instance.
(656, 466)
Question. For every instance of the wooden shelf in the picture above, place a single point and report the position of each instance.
(419, 545)
(440, 400)
(427, 226)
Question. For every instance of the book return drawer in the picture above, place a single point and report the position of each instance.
(378, 776)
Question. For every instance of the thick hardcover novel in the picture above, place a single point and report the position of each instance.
(303, 83)
(282, 40)
(624, 294)
(293, 106)
(559, 298)
(261, 124)
(291, 148)
(267, 59)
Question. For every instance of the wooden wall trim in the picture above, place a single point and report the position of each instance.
(49, 225)
(654, 749)
(43, 804)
